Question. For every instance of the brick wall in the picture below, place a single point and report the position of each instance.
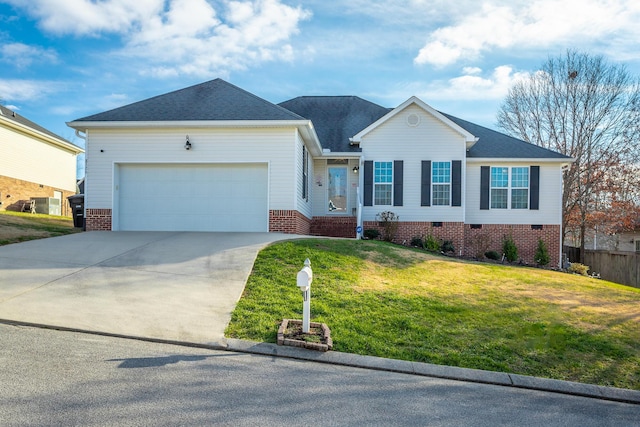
(334, 226)
(525, 236)
(14, 192)
(98, 219)
(288, 221)
(407, 230)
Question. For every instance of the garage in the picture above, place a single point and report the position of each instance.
(191, 197)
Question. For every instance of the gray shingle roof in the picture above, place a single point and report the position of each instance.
(336, 118)
(11, 115)
(212, 100)
(492, 144)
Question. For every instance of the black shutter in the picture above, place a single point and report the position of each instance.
(397, 182)
(534, 188)
(368, 183)
(456, 183)
(425, 184)
(485, 176)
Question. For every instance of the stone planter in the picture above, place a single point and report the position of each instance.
(320, 330)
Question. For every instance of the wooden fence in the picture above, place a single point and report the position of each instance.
(618, 267)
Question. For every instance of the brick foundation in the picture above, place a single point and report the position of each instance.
(490, 237)
(288, 221)
(15, 192)
(98, 219)
(474, 242)
(334, 226)
(407, 230)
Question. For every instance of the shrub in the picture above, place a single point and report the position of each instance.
(541, 256)
(371, 234)
(509, 249)
(480, 244)
(431, 243)
(417, 242)
(389, 223)
(447, 246)
(577, 268)
(492, 255)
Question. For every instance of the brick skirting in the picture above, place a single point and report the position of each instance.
(98, 219)
(334, 226)
(288, 221)
(407, 230)
(15, 192)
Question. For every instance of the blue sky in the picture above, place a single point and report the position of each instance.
(64, 59)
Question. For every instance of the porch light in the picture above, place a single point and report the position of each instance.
(187, 145)
(356, 169)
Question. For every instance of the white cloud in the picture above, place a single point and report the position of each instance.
(88, 17)
(25, 90)
(22, 55)
(540, 23)
(174, 37)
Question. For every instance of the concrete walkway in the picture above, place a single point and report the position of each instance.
(171, 286)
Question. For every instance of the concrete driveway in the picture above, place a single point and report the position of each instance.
(163, 285)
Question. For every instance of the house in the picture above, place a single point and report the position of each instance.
(213, 157)
(34, 163)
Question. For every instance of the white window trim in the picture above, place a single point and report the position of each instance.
(382, 183)
(509, 187)
(433, 184)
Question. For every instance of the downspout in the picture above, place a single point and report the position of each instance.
(359, 197)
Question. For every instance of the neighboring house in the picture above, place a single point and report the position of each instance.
(34, 162)
(213, 157)
(624, 241)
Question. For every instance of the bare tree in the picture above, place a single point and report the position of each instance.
(586, 108)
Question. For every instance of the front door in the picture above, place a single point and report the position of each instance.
(337, 189)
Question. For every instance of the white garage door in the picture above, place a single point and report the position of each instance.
(200, 197)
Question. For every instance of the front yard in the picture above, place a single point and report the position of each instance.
(389, 301)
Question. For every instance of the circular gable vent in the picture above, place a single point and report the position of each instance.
(413, 119)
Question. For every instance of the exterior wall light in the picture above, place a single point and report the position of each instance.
(187, 145)
(356, 169)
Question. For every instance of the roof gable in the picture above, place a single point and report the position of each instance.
(215, 100)
(469, 138)
(336, 118)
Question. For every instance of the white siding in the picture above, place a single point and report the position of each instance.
(550, 208)
(430, 140)
(105, 148)
(28, 159)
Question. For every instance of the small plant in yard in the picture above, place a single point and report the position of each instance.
(480, 244)
(509, 249)
(371, 233)
(541, 256)
(417, 242)
(431, 244)
(389, 223)
(492, 255)
(447, 247)
(577, 268)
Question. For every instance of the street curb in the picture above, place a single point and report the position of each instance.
(382, 364)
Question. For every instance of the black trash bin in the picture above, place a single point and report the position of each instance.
(77, 208)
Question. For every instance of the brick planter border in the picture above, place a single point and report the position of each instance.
(326, 335)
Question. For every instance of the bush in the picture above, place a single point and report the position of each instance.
(541, 256)
(389, 223)
(447, 246)
(509, 249)
(417, 242)
(480, 244)
(371, 234)
(431, 243)
(577, 268)
(492, 255)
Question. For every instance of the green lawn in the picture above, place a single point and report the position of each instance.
(385, 300)
(19, 227)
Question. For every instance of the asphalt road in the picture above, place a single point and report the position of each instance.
(51, 378)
